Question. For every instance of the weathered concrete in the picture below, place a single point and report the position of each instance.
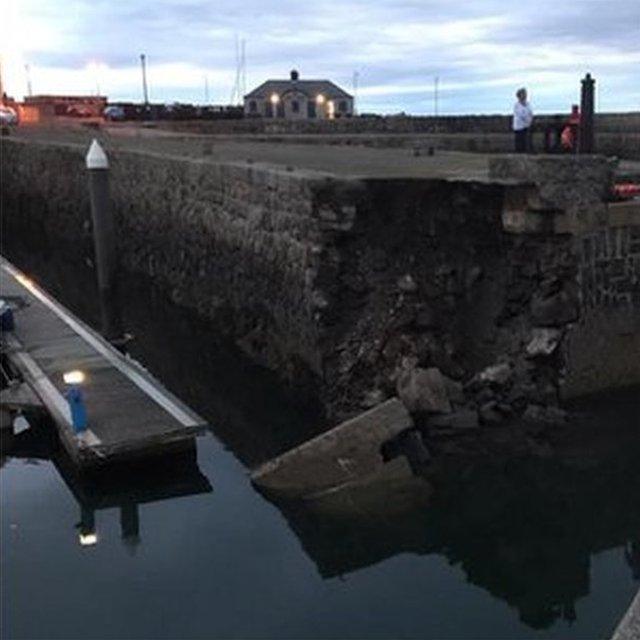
(604, 343)
(346, 454)
(567, 194)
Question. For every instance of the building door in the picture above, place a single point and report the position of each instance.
(311, 109)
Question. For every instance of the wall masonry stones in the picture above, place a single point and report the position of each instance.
(605, 344)
(242, 244)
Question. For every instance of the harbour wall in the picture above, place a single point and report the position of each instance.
(343, 286)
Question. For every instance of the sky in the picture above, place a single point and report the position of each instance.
(481, 51)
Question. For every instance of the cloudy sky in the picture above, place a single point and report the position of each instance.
(481, 50)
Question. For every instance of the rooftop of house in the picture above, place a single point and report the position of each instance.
(309, 88)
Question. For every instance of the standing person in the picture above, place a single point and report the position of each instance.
(522, 119)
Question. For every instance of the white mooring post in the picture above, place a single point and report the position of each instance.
(104, 240)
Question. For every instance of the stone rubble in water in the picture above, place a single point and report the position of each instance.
(490, 414)
(537, 414)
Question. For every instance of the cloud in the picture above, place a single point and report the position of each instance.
(480, 50)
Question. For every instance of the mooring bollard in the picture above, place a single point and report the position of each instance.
(104, 240)
(587, 104)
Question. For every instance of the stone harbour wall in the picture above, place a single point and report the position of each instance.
(242, 244)
(474, 302)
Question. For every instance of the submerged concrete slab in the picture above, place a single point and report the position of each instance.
(348, 452)
(629, 627)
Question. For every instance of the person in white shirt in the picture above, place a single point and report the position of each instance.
(522, 119)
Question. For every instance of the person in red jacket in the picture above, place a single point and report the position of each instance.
(569, 135)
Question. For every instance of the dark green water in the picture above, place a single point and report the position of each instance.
(544, 548)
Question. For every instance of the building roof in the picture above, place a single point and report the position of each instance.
(310, 88)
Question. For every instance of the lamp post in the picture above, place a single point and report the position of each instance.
(145, 88)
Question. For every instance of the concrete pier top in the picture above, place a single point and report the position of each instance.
(337, 160)
(629, 627)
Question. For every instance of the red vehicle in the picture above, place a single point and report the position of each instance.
(79, 111)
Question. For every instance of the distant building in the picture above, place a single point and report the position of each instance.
(78, 106)
(296, 99)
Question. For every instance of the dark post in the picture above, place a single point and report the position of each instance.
(104, 240)
(130, 525)
(585, 137)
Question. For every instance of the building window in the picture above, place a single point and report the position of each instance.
(253, 106)
(342, 106)
(295, 106)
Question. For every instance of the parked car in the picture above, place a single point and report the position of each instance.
(79, 111)
(114, 113)
(8, 115)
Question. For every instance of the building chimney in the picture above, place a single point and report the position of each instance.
(294, 75)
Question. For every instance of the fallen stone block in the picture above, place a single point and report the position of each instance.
(342, 455)
(423, 391)
(544, 342)
(498, 374)
(462, 420)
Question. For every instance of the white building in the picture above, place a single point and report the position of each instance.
(297, 99)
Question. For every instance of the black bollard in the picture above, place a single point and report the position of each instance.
(104, 241)
(585, 135)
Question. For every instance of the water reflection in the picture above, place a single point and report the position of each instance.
(124, 487)
(192, 358)
(525, 531)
